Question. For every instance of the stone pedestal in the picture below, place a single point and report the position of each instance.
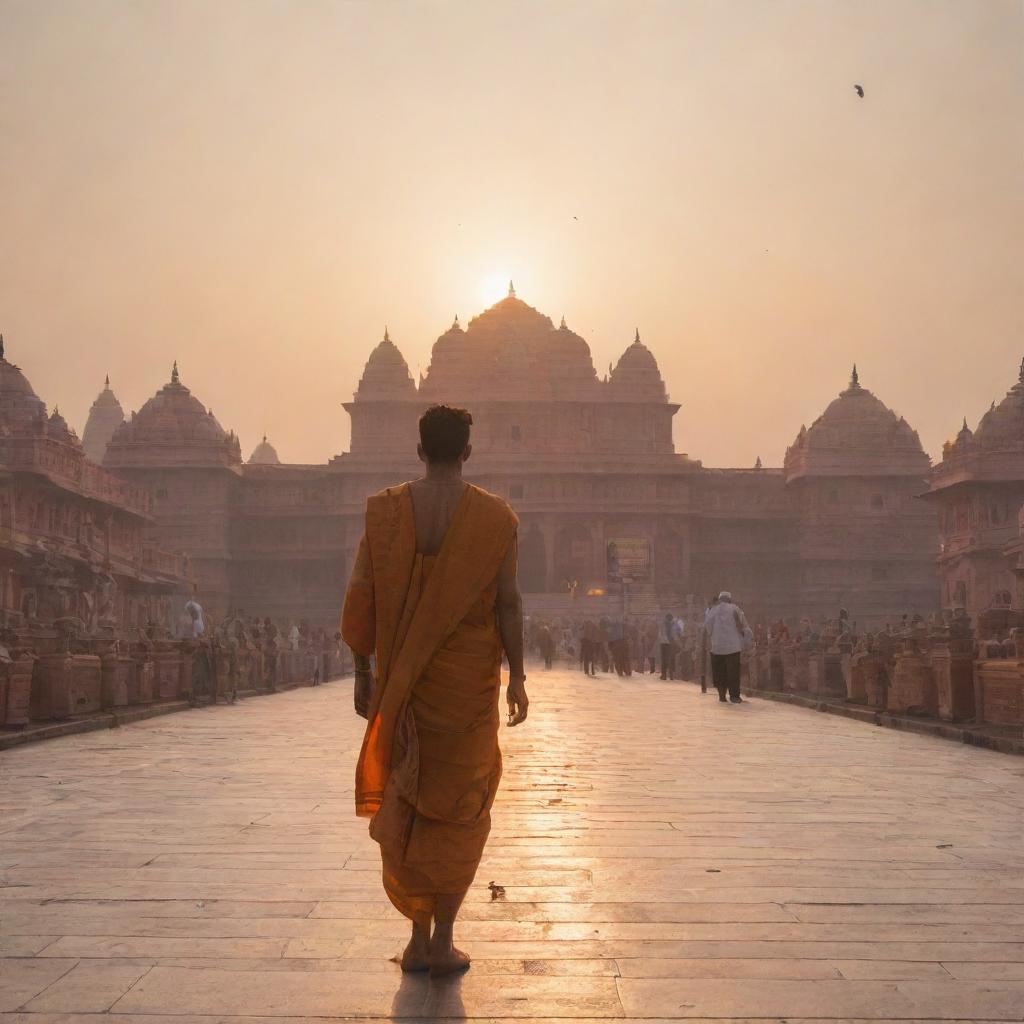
(999, 692)
(775, 667)
(116, 671)
(832, 682)
(954, 683)
(64, 685)
(17, 691)
(186, 656)
(168, 674)
(816, 672)
(913, 686)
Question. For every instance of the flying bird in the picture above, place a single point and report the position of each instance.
(860, 90)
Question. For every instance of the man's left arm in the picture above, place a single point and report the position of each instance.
(510, 625)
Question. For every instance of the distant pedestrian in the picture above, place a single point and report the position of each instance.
(546, 643)
(727, 634)
(666, 646)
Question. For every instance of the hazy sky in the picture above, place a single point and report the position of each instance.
(256, 188)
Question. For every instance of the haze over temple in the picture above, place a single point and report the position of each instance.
(607, 506)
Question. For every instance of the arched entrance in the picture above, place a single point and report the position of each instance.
(533, 563)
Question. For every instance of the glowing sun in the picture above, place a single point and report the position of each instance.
(493, 288)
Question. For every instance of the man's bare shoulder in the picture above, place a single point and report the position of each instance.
(393, 493)
(496, 502)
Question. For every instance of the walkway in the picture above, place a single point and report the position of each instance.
(663, 856)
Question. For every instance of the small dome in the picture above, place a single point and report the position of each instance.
(386, 374)
(857, 433)
(105, 416)
(173, 422)
(57, 428)
(1002, 427)
(264, 454)
(21, 410)
(637, 375)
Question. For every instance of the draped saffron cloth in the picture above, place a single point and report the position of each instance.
(429, 766)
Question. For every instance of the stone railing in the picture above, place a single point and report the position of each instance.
(930, 673)
(46, 686)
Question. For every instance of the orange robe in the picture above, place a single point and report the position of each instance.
(429, 766)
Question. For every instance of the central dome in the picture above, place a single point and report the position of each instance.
(510, 351)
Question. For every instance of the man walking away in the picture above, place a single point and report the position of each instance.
(726, 627)
(666, 629)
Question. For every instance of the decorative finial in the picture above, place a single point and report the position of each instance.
(455, 322)
(854, 377)
(511, 290)
(1, 346)
(758, 464)
(965, 427)
(175, 379)
(1021, 362)
(562, 324)
(387, 337)
(636, 337)
(106, 382)
(264, 438)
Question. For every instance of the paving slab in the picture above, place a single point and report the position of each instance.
(663, 858)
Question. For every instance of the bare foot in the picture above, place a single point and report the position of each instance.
(416, 956)
(448, 961)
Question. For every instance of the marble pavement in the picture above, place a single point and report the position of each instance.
(663, 857)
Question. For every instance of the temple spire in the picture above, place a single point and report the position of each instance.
(511, 289)
(854, 377)
(387, 337)
(1021, 378)
(455, 322)
(175, 379)
(636, 337)
(2, 347)
(106, 383)
(562, 324)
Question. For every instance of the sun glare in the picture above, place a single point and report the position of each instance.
(493, 288)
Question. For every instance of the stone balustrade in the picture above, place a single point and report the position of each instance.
(932, 672)
(46, 685)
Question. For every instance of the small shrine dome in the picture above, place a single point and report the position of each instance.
(636, 375)
(21, 409)
(386, 374)
(173, 427)
(174, 415)
(264, 454)
(857, 433)
(1002, 427)
(57, 428)
(105, 416)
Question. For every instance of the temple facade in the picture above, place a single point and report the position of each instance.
(610, 513)
(79, 555)
(978, 492)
